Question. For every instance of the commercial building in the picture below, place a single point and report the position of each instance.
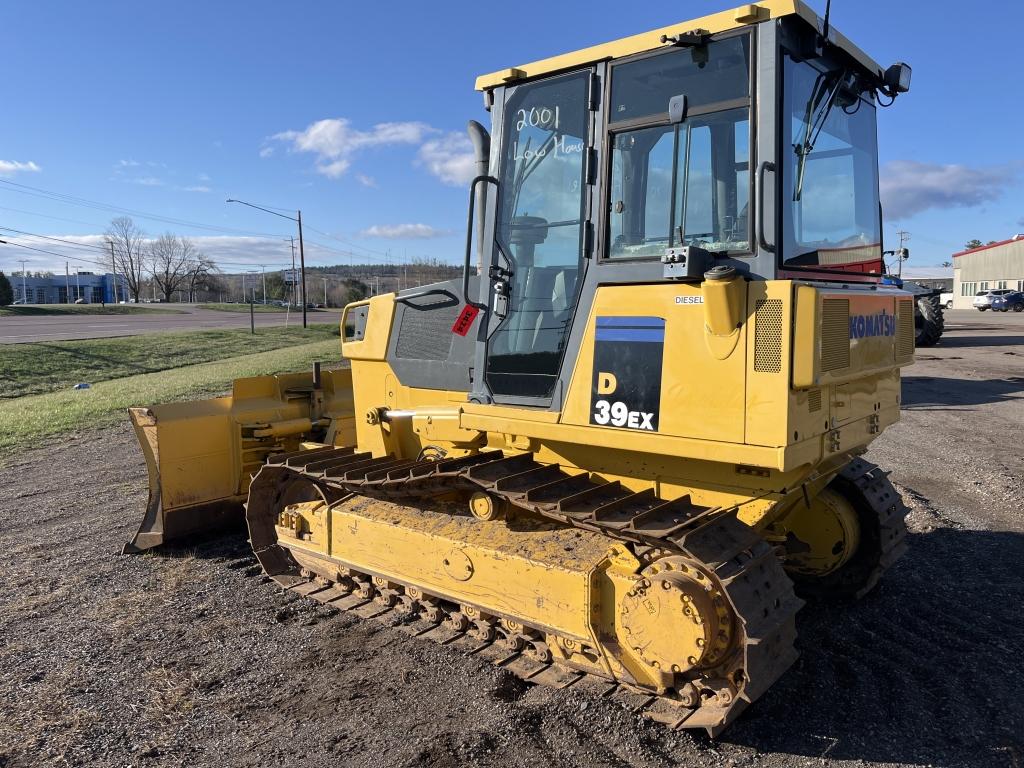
(988, 268)
(64, 289)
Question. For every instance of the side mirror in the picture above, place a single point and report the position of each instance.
(897, 77)
(903, 253)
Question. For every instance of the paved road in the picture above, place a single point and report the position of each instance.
(18, 329)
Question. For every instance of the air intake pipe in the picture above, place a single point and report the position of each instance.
(481, 140)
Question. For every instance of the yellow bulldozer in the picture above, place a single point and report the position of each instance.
(624, 447)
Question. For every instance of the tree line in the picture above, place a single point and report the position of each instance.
(173, 263)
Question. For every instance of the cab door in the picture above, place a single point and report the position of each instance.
(542, 233)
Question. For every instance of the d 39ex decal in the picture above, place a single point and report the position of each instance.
(626, 389)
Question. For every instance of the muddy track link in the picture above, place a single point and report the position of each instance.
(746, 568)
(887, 515)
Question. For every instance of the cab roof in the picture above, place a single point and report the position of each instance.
(724, 21)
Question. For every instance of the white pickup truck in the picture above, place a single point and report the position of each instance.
(946, 300)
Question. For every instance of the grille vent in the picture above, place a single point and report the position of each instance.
(768, 336)
(835, 334)
(905, 336)
(425, 332)
(814, 400)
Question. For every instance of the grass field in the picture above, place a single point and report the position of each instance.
(29, 421)
(39, 367)
(245, 308)
(85, 309)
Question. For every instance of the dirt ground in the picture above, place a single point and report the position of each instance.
(189, 657)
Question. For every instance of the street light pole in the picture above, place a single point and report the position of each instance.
(24, 291)
(264, 268)
(325, 290)
(302, 253)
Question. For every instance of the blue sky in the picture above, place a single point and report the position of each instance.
(355, 112)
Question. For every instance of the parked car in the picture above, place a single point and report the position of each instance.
(19, 302)
(79, 301)
(946, 300)
(983, 299)
(1005, 302)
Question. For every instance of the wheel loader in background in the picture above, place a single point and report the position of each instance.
(625, 446)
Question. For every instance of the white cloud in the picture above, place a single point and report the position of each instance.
(449, 158)
(909, 187)
(11, 167)
(404, 231)
(334, 141)
(127, 164)
(197, 188)
(203, 177)
(148, 181)
(366, 181)
(266, 151)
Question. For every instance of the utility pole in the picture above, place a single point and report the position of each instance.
(243, 286)
(302, 266)
(67, 283)
(325, 290)
(264, 268)
(293, 268)
(24, 291)
(113, 267)
(78, 286)
(904, 236)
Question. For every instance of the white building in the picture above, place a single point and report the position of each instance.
(988, 268)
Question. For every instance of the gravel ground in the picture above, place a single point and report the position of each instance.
(189, 657)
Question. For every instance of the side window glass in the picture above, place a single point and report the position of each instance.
(641, 192)
(705, 204)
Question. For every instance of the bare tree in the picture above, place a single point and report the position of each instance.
(200, 272)
(126, 243)
(169, 263)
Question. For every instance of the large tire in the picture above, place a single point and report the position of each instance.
(929, 321)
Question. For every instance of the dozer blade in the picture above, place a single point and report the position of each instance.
(202, 454)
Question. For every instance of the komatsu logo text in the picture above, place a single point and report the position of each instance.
(878, 324)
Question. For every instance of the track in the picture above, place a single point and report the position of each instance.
(743, 566)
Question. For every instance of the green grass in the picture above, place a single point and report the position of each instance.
(85, 309)
(260, 308)
(245, 308)
(27, 422)
(39, 367)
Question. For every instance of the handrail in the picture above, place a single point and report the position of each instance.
(766, 165)
(469, 238)
(431, 292)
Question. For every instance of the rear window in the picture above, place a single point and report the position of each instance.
(981, 293)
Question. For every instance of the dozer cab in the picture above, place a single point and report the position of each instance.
(625, 446)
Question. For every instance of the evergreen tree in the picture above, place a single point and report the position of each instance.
(6, 292)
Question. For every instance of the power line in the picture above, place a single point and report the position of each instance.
(61, 197)
(94, 204)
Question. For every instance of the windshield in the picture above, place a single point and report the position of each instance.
(830, 176)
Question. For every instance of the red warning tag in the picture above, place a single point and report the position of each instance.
(465, 319)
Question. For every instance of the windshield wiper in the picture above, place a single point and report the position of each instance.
(819, 107)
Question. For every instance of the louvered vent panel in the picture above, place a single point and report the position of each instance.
(905, 332)
(768, 336)
(425, 332)
(835, 334)
(814, 400)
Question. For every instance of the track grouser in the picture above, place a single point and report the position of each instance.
(621, 451)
